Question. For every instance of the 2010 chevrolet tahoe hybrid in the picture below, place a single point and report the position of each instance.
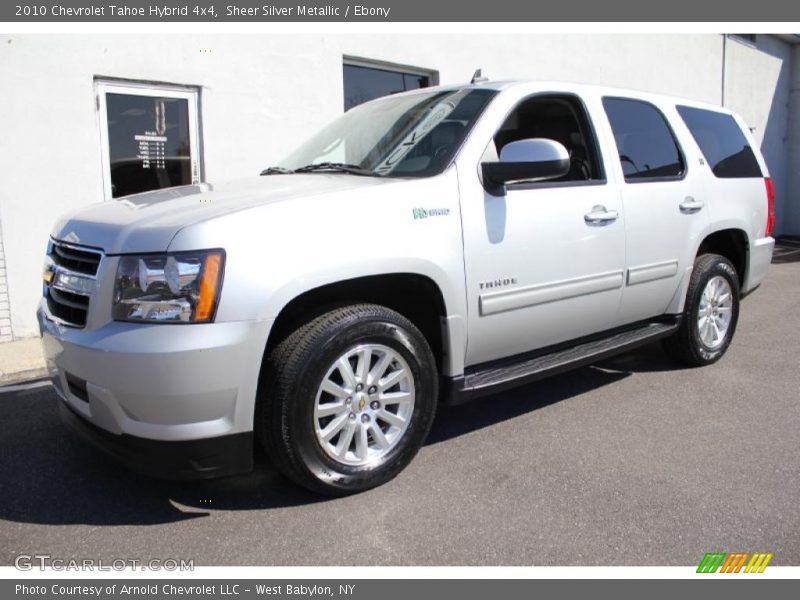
(431, 246)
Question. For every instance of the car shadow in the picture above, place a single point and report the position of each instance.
(52, 477)
(455, 421)
(647, 359)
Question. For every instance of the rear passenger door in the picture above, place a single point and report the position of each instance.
(665, 205)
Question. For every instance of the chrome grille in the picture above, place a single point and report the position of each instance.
(75, 259)
(71, 282)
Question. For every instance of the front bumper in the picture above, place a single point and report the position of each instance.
(188, 459)
(169, 400)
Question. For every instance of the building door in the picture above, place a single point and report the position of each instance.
(149, 137)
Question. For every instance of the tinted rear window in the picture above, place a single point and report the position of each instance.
(722, 142)
(647, 149)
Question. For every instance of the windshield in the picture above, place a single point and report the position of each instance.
(412, 135)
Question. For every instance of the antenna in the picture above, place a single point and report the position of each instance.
(478, 77)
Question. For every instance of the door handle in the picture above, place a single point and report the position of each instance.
(689, 206)
(600, 215)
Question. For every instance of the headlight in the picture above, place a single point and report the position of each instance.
(181, 287)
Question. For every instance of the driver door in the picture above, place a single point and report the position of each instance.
(544, 261)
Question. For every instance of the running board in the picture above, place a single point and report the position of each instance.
(508, 373)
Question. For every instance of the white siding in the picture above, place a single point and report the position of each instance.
(5, 310)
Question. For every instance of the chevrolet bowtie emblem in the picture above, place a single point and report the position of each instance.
(48, 276)
(361, 404)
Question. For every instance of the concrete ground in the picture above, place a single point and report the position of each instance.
(21, 360)
(635, 461)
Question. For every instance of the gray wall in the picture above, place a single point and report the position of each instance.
(757, 85)
(791, 206)
(262, 94)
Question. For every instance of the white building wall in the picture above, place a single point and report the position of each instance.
(5, 310)
(263, 94)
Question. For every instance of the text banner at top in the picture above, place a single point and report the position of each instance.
(49, 11)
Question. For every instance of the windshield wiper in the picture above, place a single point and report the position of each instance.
(336, 167)
(276, 171)
(324, 166)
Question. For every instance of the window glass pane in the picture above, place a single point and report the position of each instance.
(148, 143)
(414, 82)
(414, 135)
(559, 118)
(749, 38)
(722, 142)
(646, 146)
(362, 84)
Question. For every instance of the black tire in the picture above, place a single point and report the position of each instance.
(687, 345)
(293, 373)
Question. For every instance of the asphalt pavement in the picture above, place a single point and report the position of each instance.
(634, 461)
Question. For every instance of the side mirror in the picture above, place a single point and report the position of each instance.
(536, 159)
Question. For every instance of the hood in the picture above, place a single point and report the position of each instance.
(147, 222)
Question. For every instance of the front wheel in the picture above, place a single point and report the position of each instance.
(348, 399)
(710, 314)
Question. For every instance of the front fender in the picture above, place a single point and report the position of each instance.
(276, 252)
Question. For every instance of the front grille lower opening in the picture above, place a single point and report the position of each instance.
(70, 308)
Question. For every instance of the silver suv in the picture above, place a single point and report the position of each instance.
(433, 246)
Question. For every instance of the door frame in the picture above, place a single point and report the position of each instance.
(103, 86)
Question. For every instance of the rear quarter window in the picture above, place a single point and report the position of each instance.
(722, 143)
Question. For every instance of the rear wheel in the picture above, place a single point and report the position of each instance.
(710, 314)
(349, 399)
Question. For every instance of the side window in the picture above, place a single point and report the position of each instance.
(722, 143)
(559, 118)
(647, 148)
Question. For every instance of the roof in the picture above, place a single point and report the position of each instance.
(545, 86)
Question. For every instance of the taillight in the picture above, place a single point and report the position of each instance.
(770, 206)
